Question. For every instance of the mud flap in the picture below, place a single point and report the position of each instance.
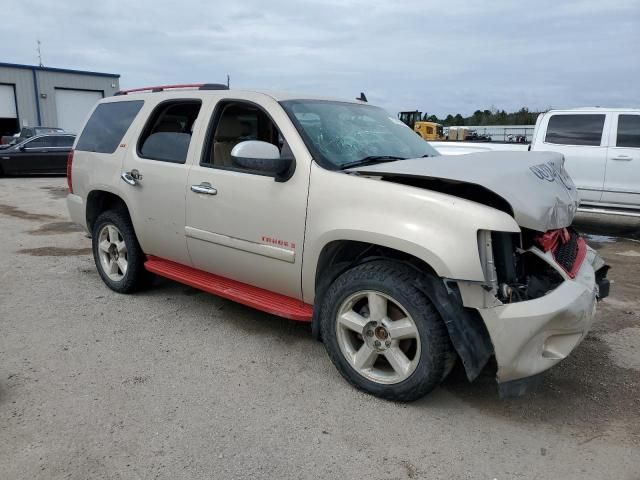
(467, 331)
(517, 388)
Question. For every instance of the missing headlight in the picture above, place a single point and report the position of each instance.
(513, 274)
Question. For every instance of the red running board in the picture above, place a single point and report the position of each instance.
(254, 297)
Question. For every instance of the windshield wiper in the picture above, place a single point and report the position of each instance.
(371, 160)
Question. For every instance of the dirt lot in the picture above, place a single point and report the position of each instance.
(172, 383)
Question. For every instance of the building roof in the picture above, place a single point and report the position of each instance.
(58, 70)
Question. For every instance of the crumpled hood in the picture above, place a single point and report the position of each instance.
(535, 184)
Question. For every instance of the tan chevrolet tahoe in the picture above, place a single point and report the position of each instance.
(335, 213)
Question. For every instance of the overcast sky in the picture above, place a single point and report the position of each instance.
(441, 56)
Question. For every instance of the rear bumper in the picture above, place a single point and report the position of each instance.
(77, 210)
(532, 336)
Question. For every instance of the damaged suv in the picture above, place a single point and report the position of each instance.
(335, 213)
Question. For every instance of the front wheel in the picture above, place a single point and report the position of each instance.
(117, 254)
(383, 334)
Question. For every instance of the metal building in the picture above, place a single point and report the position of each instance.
(51, 97)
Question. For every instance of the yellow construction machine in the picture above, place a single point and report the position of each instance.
(427, 130)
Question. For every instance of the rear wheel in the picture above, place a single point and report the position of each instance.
(117, 254)
(383, 334)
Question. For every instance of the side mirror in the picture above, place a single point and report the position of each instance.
(262, 157)
(23, 148)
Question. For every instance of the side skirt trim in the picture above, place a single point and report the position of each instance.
(254, 297)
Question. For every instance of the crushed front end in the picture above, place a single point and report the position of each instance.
(538, 300)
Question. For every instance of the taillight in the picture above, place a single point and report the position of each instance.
(69, 168)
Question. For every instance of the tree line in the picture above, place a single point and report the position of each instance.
(488, 117)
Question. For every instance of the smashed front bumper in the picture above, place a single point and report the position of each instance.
(530, 337)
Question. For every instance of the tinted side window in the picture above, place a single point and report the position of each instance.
(628, 131)
(107, 125)
(64, 141)
(41, 142)
(168, 132)
(575, 129)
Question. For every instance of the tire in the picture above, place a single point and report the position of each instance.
(346, 306)
(115, 228)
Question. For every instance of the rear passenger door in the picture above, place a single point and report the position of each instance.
(54, 158)
(622, 182)
(154, 176)
(581, 138)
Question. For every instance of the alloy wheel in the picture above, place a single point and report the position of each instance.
(378, 337)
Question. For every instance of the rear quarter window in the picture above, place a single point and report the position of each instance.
(64, 141)
(107, 125)
(575, 129)
(628, 131)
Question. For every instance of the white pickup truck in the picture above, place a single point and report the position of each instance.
(601, 147)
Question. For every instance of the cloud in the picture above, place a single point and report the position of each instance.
(440, 57)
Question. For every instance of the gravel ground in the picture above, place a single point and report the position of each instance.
(172, 383)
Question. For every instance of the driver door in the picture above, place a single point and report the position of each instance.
(247, 226)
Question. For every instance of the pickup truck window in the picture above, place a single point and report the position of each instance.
(64, 141)
(575, 129)
(339, 133)
(167, 135)
(628, 131)
(40, 142)
(107, 125)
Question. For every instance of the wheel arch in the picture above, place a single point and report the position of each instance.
(466, 328)
(338, 256)
(99, 201)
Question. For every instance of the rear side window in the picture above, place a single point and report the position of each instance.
(575, 129)
(168, 132)
(107, 125)
(64, 141)
(628, 131)
(41, 142)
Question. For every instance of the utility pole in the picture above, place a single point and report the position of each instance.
(39, 55)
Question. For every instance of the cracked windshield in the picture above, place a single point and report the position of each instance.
(342, 135)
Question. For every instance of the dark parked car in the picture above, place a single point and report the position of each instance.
(27, 132)
(37, 155)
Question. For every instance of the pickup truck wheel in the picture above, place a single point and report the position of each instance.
(117, 254)
(383, 334)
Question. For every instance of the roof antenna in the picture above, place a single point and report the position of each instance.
(362, 97)
(39, 55)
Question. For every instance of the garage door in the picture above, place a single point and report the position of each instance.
(73, 106)
(7, 102)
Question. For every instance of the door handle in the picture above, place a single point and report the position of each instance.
(624, 158)
(132, 178)
(204, 187)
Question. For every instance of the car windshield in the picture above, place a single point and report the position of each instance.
(340, 134)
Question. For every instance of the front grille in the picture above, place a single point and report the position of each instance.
(567, 253)
(567, 248)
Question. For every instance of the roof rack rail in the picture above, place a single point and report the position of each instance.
(161, 88)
